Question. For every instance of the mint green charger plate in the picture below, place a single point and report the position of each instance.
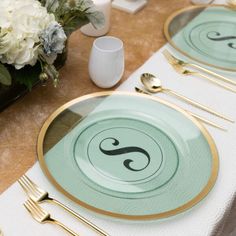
(127, 155)
(206, 34)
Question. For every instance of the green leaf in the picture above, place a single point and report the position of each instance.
(5, 77)
(75, 23)
(27, 75)
(52, 5)
(80, 13)
(97, 19)
(43, 2)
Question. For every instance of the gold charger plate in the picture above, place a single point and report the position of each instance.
(128, 155)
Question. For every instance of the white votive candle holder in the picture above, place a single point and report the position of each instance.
(105, 7)
(106, 62)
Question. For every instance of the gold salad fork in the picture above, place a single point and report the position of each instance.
(179, 66)
(39, 195)
(40, 215)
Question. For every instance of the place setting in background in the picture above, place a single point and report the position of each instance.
(131, 156)
(205, 34)
(190, 31)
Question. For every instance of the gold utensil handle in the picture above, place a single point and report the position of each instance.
(197, 104)
(139, 90)
(213, 73)
(177, 62)
(216, 82)
(81, 218)
(206, 121)
(65, 228)
(200, 118)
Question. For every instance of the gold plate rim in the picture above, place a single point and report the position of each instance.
(186, 206)
(171, 42)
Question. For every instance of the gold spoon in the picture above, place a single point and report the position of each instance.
(153, 85)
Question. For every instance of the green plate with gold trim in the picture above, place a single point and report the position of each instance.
(206, 34)
(127, 155)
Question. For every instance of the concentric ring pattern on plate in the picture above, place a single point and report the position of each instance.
(128, 156)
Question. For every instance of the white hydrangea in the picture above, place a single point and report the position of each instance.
(21, 22)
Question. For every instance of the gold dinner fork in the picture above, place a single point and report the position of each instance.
(40, 215)
(39, 195)
(176, 61)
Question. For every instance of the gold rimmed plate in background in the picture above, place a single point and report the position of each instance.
(128, 155)
(205, 34)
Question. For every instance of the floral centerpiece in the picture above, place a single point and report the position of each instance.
(33, 34)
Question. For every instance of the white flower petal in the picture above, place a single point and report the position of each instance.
(21, 23)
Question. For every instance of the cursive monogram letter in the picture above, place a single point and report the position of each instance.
(124, 150)
(217, 37)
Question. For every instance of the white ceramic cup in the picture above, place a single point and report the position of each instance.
(106, 62)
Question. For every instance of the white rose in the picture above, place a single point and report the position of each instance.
(21, 22)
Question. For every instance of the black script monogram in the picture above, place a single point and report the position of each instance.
(124, 150)
(216, 36)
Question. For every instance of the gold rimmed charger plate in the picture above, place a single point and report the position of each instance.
(72, 151)
(205, 34)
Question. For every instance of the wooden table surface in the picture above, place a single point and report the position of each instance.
(20, 123)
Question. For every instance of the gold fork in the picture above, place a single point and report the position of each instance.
(39, 195)
(176, 61)
(40, 215)
(183, 71)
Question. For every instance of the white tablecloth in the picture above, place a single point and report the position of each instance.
(208, 218)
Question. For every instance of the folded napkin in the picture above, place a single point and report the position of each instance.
(205, 219)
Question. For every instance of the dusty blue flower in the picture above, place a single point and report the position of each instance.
(53, 39)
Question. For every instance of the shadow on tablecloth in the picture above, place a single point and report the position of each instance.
(227, 227)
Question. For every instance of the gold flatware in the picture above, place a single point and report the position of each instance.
(39, 195)
(40, 215)
(231, 4)
(183, 71)
(176, 61)
(139, 90)
(153, 85)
